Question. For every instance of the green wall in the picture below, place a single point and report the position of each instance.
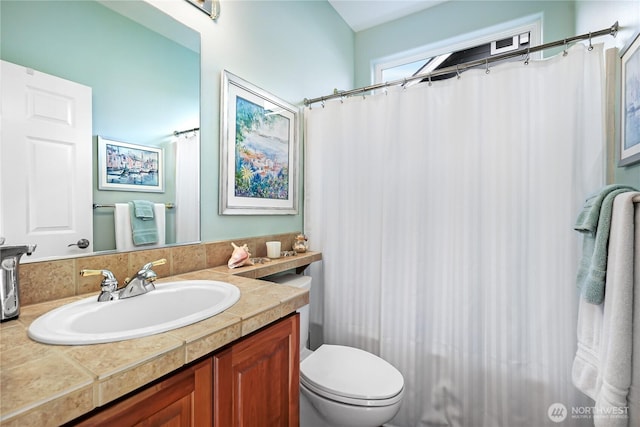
(601, 14)
(292, 49)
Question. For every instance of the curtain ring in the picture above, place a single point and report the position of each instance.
(341, 99)
(457, 71)
(322, 102)
(526, 61)
(566, 46)
(487, 66)
(590, 48)
(429, 79)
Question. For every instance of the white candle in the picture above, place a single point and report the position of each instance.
(273, 249)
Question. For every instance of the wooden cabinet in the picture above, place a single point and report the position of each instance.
(252, 382)
(184, 399)
(256, 380)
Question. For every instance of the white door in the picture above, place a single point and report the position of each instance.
(46, 162)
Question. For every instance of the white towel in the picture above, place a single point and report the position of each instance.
(122, 219)
(633, 399)
(603, 362)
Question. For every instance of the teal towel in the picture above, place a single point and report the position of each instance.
(144, 230)
(143, 209)
(588, 217)
(594, 221)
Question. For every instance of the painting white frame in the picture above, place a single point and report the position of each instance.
(248, 163)
(630, 108)
(210, 7)
(105, 183)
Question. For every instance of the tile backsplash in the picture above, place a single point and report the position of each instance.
(50, 280)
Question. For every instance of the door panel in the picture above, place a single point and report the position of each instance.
(46, 162)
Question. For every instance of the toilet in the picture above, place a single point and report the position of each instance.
(342, 386)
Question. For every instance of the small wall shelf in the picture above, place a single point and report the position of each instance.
(298, 262)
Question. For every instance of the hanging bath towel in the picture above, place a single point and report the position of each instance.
(144, 230)
(124, 228)
(594, 221)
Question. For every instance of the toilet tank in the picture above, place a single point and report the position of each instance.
(303, 282)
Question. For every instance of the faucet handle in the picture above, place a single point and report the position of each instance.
(148, 265)
(109, 283)
(88, 272)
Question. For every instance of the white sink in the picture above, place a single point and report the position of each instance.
(171, 305)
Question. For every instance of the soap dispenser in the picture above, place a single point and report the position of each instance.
(9, 287)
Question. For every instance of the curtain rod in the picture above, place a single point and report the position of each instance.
(180, 132)
(613, 30)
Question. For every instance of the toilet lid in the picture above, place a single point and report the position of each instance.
(340, 371)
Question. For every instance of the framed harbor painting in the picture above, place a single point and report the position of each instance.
(129, 167)
(630, 106)
(258, 151)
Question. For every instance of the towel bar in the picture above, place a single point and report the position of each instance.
(111, 205)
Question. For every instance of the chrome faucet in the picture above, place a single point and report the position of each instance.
(9, 285)
(108, 287)
(140, 284)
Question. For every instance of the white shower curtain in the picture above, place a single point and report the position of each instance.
(444, 214)
(188, 187)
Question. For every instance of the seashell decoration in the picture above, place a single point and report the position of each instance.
(240, 256)
(300, 244)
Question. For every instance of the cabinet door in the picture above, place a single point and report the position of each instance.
(256, 381)
(182, 400)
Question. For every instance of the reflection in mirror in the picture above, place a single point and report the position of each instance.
(143, 68)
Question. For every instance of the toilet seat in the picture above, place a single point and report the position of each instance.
(350, 375)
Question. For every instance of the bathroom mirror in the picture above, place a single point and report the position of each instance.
(144, 70)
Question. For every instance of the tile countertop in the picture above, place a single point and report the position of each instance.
(43, 385)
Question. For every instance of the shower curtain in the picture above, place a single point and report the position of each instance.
(188, 187)
(444, 214)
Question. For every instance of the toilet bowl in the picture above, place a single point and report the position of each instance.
(343, 386)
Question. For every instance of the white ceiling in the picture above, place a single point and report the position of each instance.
(363, 14)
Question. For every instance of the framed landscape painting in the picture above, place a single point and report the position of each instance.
(129, 167)
(630, 105)
(258, 151)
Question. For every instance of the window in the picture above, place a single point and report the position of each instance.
(453, 53)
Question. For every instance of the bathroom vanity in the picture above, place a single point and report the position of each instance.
(214, 372)
(264, 364)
